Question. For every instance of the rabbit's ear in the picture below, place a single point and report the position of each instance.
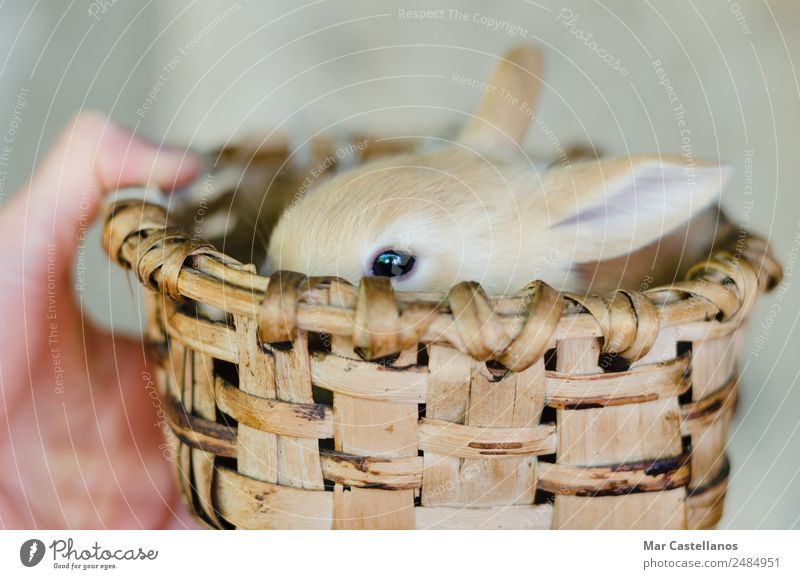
(604, 209)
(502, 117)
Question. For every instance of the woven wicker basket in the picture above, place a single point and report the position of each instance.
(321, 405)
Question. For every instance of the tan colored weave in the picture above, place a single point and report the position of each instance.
(326, 406)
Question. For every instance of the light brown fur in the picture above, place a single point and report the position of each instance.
(486, 213)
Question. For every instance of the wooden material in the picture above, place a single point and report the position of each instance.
(315, 404)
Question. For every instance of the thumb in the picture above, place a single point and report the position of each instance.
(91, 157)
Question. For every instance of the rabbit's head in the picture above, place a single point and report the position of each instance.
(479, 209)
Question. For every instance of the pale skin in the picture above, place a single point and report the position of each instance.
(80, 434)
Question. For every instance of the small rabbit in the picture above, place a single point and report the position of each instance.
(479, 209)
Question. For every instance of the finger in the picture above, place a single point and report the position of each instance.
(92, 156)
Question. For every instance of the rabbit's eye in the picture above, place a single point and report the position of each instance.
(392, 263)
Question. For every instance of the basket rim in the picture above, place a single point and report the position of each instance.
(514, 329)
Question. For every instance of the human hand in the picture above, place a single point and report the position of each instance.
(80, 442)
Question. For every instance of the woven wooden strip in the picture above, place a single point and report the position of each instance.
(704, 504)
(207, 435)
(639, 384)
(300, 420)
(156, 347)
(298, 457)
(215, 339)
(153, 250)
(628, 321)
(450, 375)
(539, 321)
(619, 480)
(256, 450)
(377, 321)
(165, 384)
(661, 438)
(712, 370)
(700, 414)
(172, 261)
(276, 316)
(177, 386)
(465, 441)
(714, 293)
(708, 330)
(642, 511)
(342, 468)
(410, 384)
(529, 402)
(575, 435)
(647, 325)
(758, 253)
(534, 517)
(204, 406)
(177, 366)
(166, 252)
(368, 380)
(453, 440)
(314, 420)
(127, 219)
(372, 472)
(476, 321)
(250, 503)
(723, 267)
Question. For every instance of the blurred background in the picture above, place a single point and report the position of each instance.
(715, 79)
